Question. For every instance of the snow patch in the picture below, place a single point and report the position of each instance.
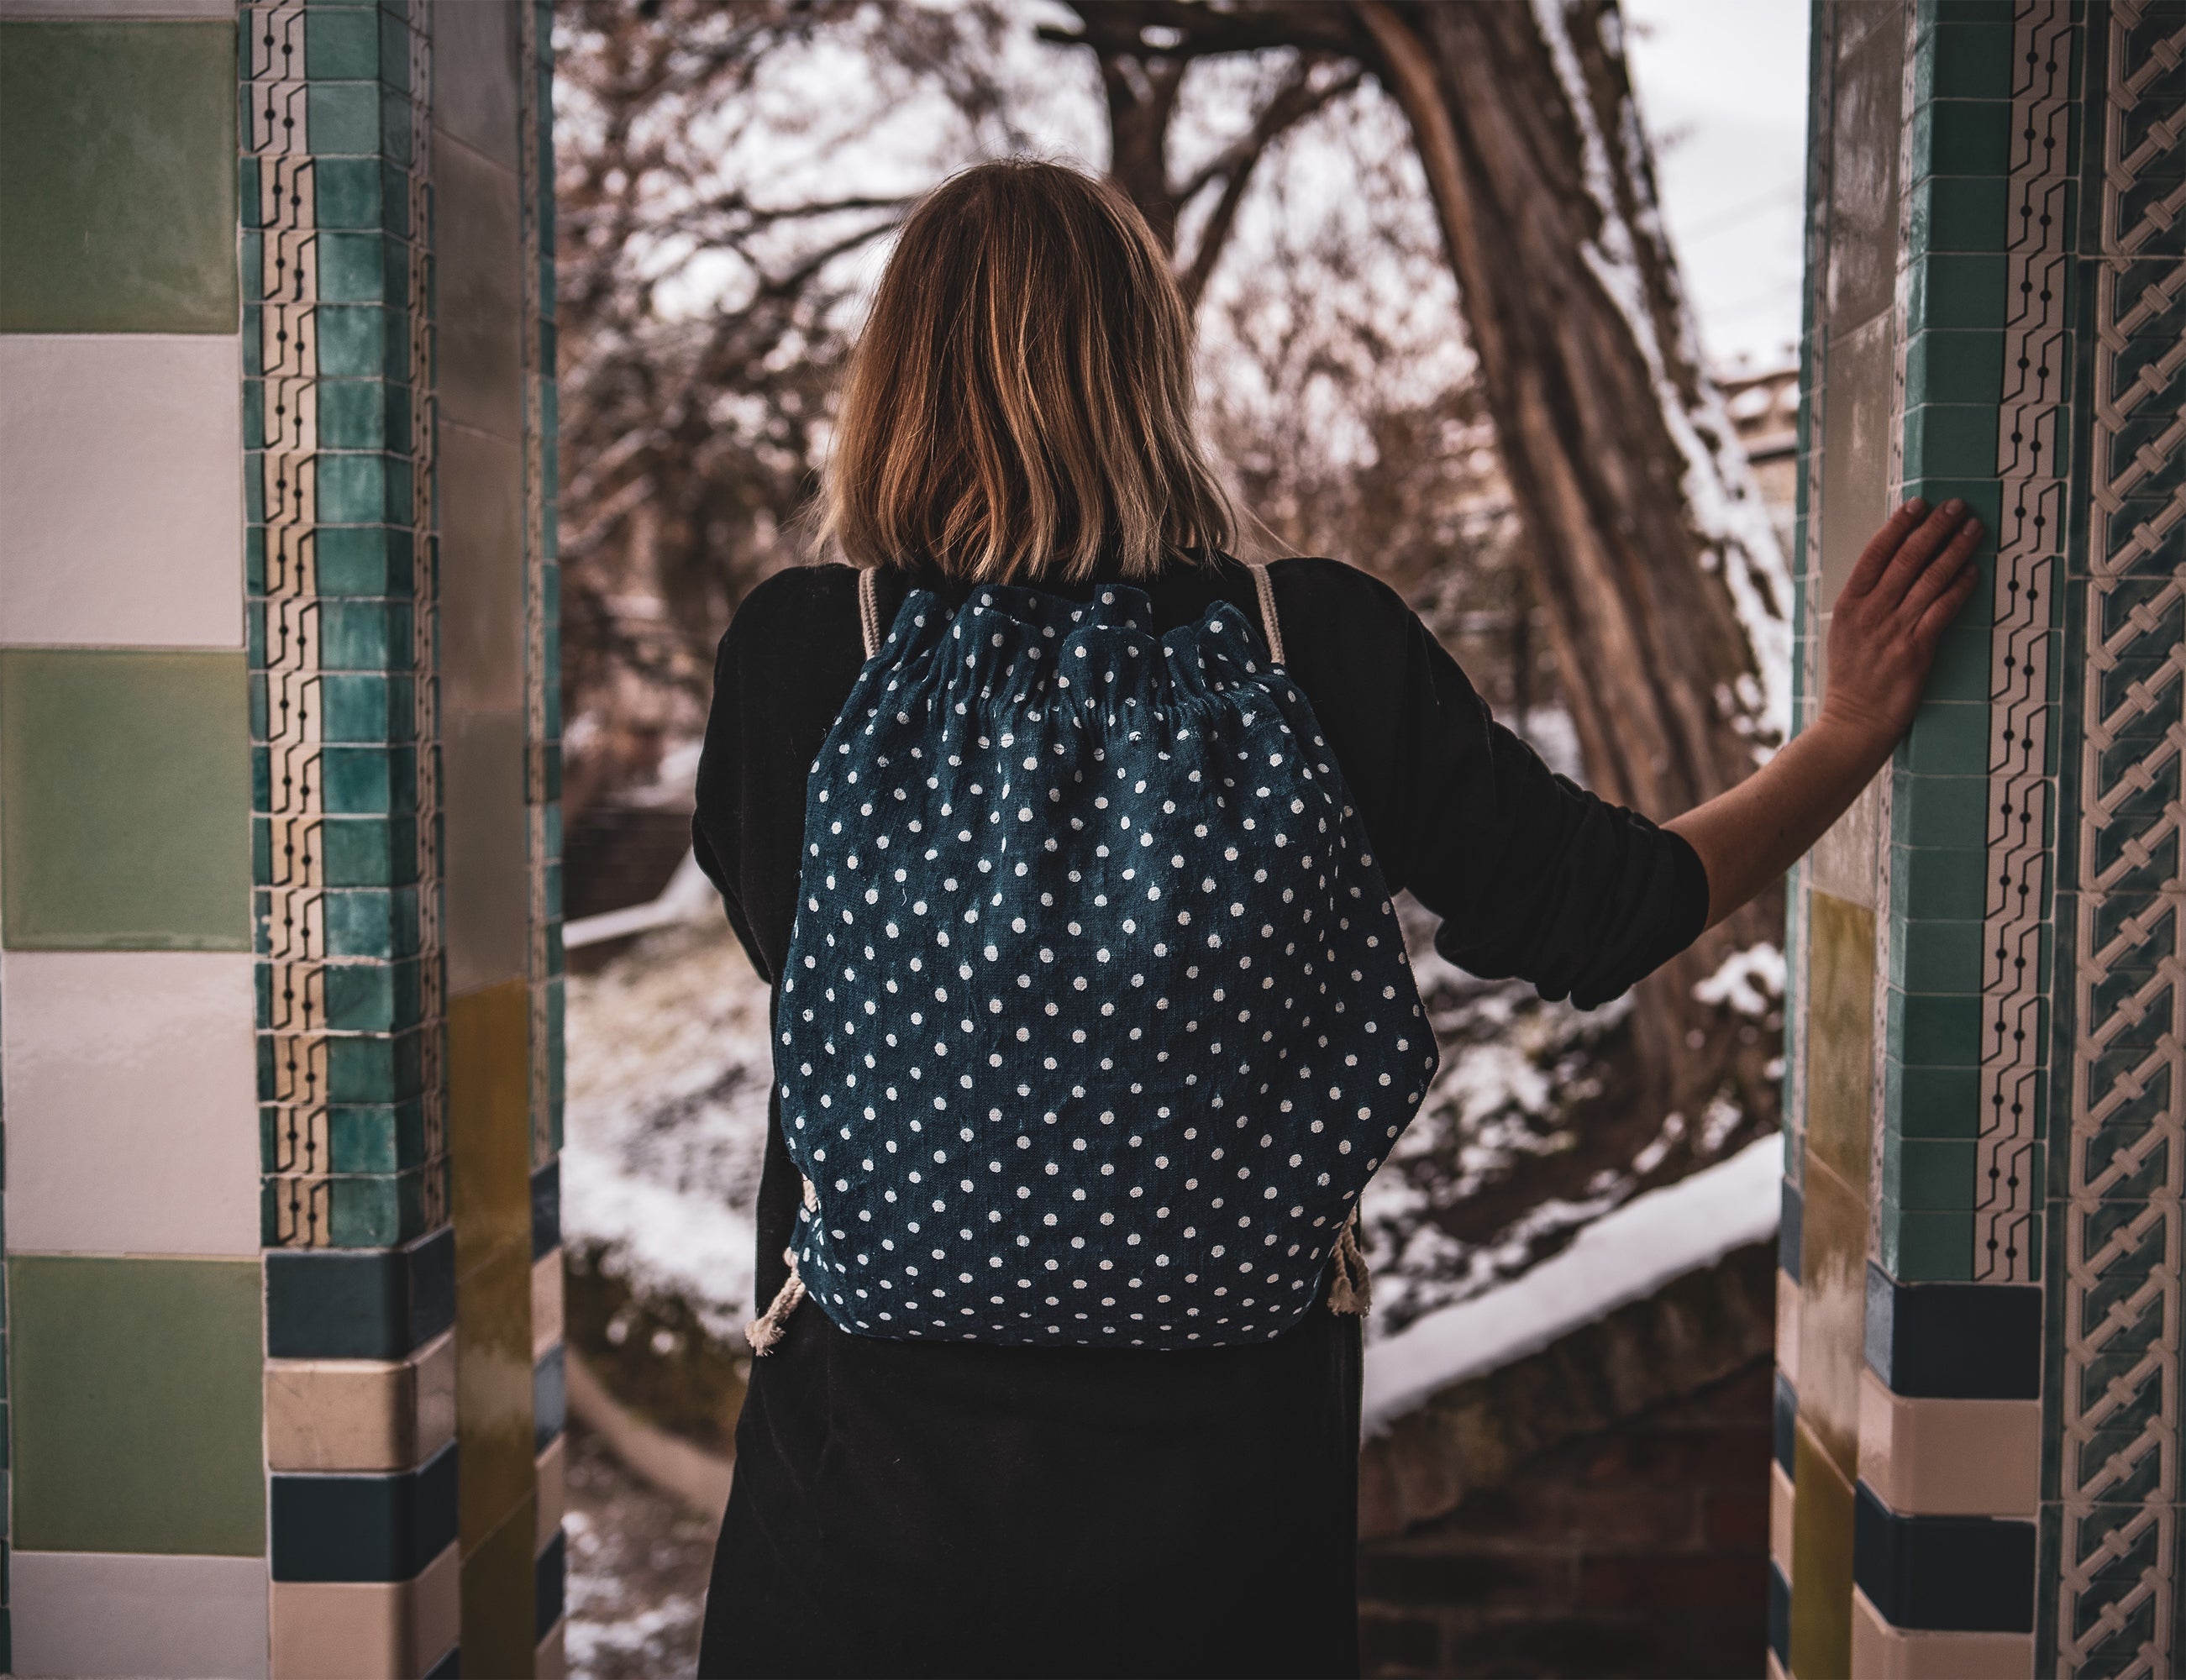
(1622, 1256)
(1750, 981)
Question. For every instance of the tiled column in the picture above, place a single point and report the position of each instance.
(136, 1531)
(1979, 1380)
(277, 1001)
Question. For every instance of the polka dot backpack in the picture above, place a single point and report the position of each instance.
(1097, 1017)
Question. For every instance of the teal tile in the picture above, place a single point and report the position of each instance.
(124, 822)
(360, 1068)
(364, 635)
(394, 51)
(1932, 1030)
(369, 851)
(364, 414)
(351, 192)
(1962, 668)
(1955, 367)
(1936, 956)
(365, 921)
(356, 706)
(382, 1210)
(376, 1138)
(362, 561)
(368, 341)
(363, 489)
(362, 267)
(1958, 213)
(369, 781)
(1962, 59)
(117, 168)
(1962, 137)
(137, 1391)
(1926, 1246)
(1928, 1175)
(1947, 885)
(1932, 1102)
(373, 997)
(1949, 738)
(1949, 811)
(1947, 442)
(343, 118)
(341, 44)
(1955, 292)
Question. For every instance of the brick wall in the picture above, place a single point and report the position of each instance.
(1640, 1550)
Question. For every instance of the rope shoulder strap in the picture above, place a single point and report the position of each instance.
(869, 608)
(1269, 624)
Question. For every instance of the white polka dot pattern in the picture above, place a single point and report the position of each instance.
(1097, 1016)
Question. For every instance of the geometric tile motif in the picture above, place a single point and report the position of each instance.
(310, 944)
(2120, 1401)
(2032, 425)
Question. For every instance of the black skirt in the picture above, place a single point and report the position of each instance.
(905, 1508)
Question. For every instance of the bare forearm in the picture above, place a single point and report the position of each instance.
(1750, 835)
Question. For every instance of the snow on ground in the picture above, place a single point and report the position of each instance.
(1621, 1257)
(665, 1122)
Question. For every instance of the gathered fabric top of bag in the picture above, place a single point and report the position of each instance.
(1097, 1016)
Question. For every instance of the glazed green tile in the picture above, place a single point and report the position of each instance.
(1955, 292)
(1925, 1175)
(1951, 811)
(363, 707)
(342, 43)
(363, 414)
(117, 148)
(1962, 137)
(1947, 885)
(137, 1388)
(370, 997)
(1936, 956)
(369, 341)
(1954, 368)
(1964, 60)
(357, 851)
(1926, 1247)
(362, 267)
(1935, 1030)
(362, 922)
(553, 892)
(363, 489)
(1958, 213)
(1950, 737)
(1950, 441)
(376, 1136)
(1931, 1102)
(351, 192)
(124, 821)
(1961, 670)
(395, 49)
(362, 561)
(373, 1069)
(376, 1211)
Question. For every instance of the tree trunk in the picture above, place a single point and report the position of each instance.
(1665, 594)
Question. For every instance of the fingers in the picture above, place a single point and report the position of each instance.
(1867, 571)
(1915, 556)
(1937, 619)
(1946, 569)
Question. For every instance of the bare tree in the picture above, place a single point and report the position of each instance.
(1665, 594)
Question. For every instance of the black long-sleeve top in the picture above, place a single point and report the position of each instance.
(1532, 876)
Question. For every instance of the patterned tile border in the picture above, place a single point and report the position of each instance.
(345, 630)
(2117, 1409)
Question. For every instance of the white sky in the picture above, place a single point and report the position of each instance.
(1723, 88)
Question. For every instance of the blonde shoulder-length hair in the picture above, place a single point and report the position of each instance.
(1019, 403)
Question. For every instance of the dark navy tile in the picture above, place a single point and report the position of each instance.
(550, 1398)
(545, 1209)
(1786, 1422)
(364, 1527)
(380, 1304)
(1967, 1575)
(1788, 1229)
(449, 1667)
(1779, 1615)
(1954, 1340)
(547, 1594)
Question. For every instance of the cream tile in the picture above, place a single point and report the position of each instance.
(360, 1415)
(553, 1490)
(551, 1660)
(1781, 1497)
(117, 1613)
(1881, 1652)
(1950, 1457)
(1787, 1328)
(545, 1303)
(122, 491)
(333, 1630)
(132, 1096)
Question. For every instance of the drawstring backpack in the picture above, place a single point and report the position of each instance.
(1097, 1017)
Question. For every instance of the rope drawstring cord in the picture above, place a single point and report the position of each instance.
(763, 1331)
(1351, 1293)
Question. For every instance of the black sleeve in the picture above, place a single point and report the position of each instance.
(1531, 875)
